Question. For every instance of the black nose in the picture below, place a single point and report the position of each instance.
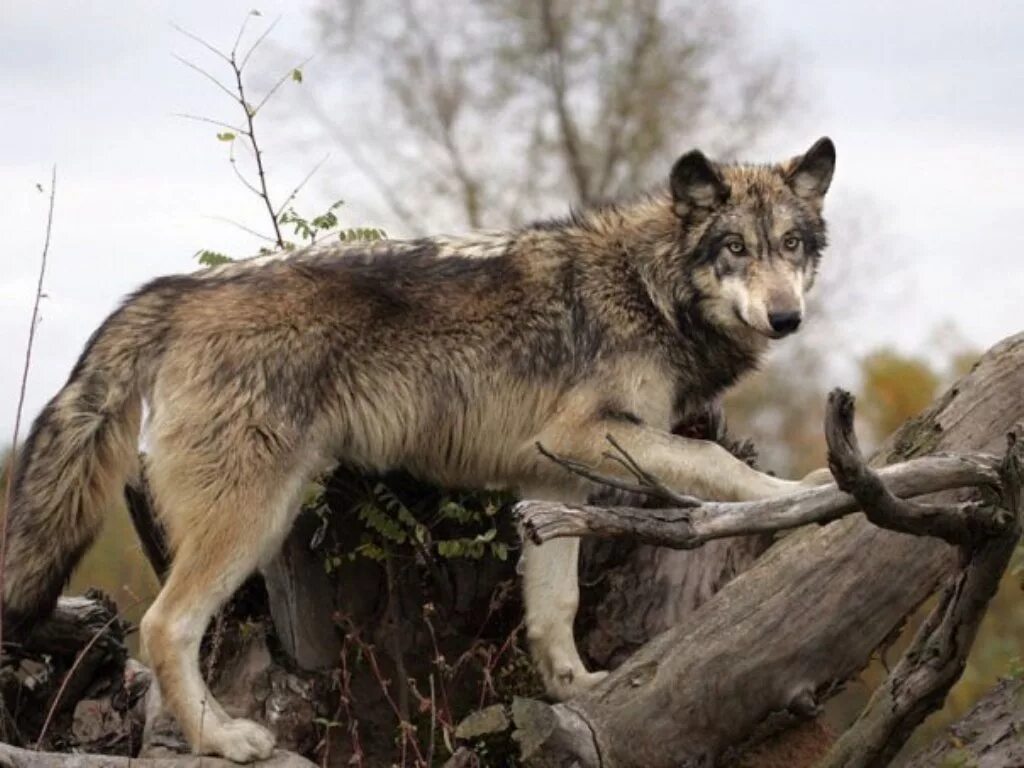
(784, 322)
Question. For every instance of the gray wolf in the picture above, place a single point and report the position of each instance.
(448, 357)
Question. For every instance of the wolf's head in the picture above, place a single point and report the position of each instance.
(752, 236)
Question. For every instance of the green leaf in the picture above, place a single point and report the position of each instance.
(297, 75)
(212, 258)
(487, 536)
(226, 136)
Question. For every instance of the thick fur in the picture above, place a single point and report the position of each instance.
(450, 358)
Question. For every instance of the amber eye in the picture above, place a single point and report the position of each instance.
(736, 247)
(791, 242)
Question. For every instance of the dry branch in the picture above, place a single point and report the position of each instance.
(691, 527)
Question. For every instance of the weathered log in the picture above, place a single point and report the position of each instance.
(14, 757)
(988, 736)
(786, 633)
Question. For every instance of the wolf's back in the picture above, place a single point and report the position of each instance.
(78, 454)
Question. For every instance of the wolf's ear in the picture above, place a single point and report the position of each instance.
(696, 184)
(810, 174)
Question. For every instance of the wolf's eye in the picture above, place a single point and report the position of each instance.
(791, 242)
(736, 247)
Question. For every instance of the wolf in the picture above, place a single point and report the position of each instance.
(451, 358)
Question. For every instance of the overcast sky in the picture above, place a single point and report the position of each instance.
(922, 98)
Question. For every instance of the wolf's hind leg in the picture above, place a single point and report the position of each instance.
(217, 548)
(551, 595)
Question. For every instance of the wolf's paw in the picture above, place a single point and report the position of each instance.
(569, 680)
(242, 741)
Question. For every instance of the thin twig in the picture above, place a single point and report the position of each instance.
(21, 393)
(647, 485)
(648, 478)
(578, 468)
(71, 673)
(243, 227)
(211, 121)
(259, 40)
(207, 75)
(192, 36)
(280, 81)
(245, 182)
(301, 184)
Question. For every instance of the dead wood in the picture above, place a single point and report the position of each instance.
(14, 757)
(988, 736)
(788, 632)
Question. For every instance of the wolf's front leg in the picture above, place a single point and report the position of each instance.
(697, 467)
(551, 595)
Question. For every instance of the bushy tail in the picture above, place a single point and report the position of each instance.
(78, 454)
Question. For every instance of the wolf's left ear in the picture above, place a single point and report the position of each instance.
(810, 175)
(696, 184)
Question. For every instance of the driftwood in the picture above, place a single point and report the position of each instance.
(787, 633)
(14, 757)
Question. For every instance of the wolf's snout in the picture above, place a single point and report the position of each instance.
(784, 323)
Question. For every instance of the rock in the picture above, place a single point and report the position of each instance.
(492, 719)
(95, 720)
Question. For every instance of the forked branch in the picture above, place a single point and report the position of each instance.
(690, 523)
(919, 683)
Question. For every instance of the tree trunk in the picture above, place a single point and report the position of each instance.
(787, 632)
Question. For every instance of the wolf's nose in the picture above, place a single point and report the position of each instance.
(784, 322)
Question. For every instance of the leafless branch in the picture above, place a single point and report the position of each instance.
(298, 187)
(243, 227)
(245, 182)
(255, 45)
(211, 121)
(207, 75)
(277, 85)
(691, 524)
(193, 36)
(955, 523)
(33, 324)
(587, 473)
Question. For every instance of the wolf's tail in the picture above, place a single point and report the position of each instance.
(79, 452)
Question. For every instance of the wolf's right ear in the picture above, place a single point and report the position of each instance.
(696, 184)
(810, 174)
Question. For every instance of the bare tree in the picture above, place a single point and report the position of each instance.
(499, 110)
